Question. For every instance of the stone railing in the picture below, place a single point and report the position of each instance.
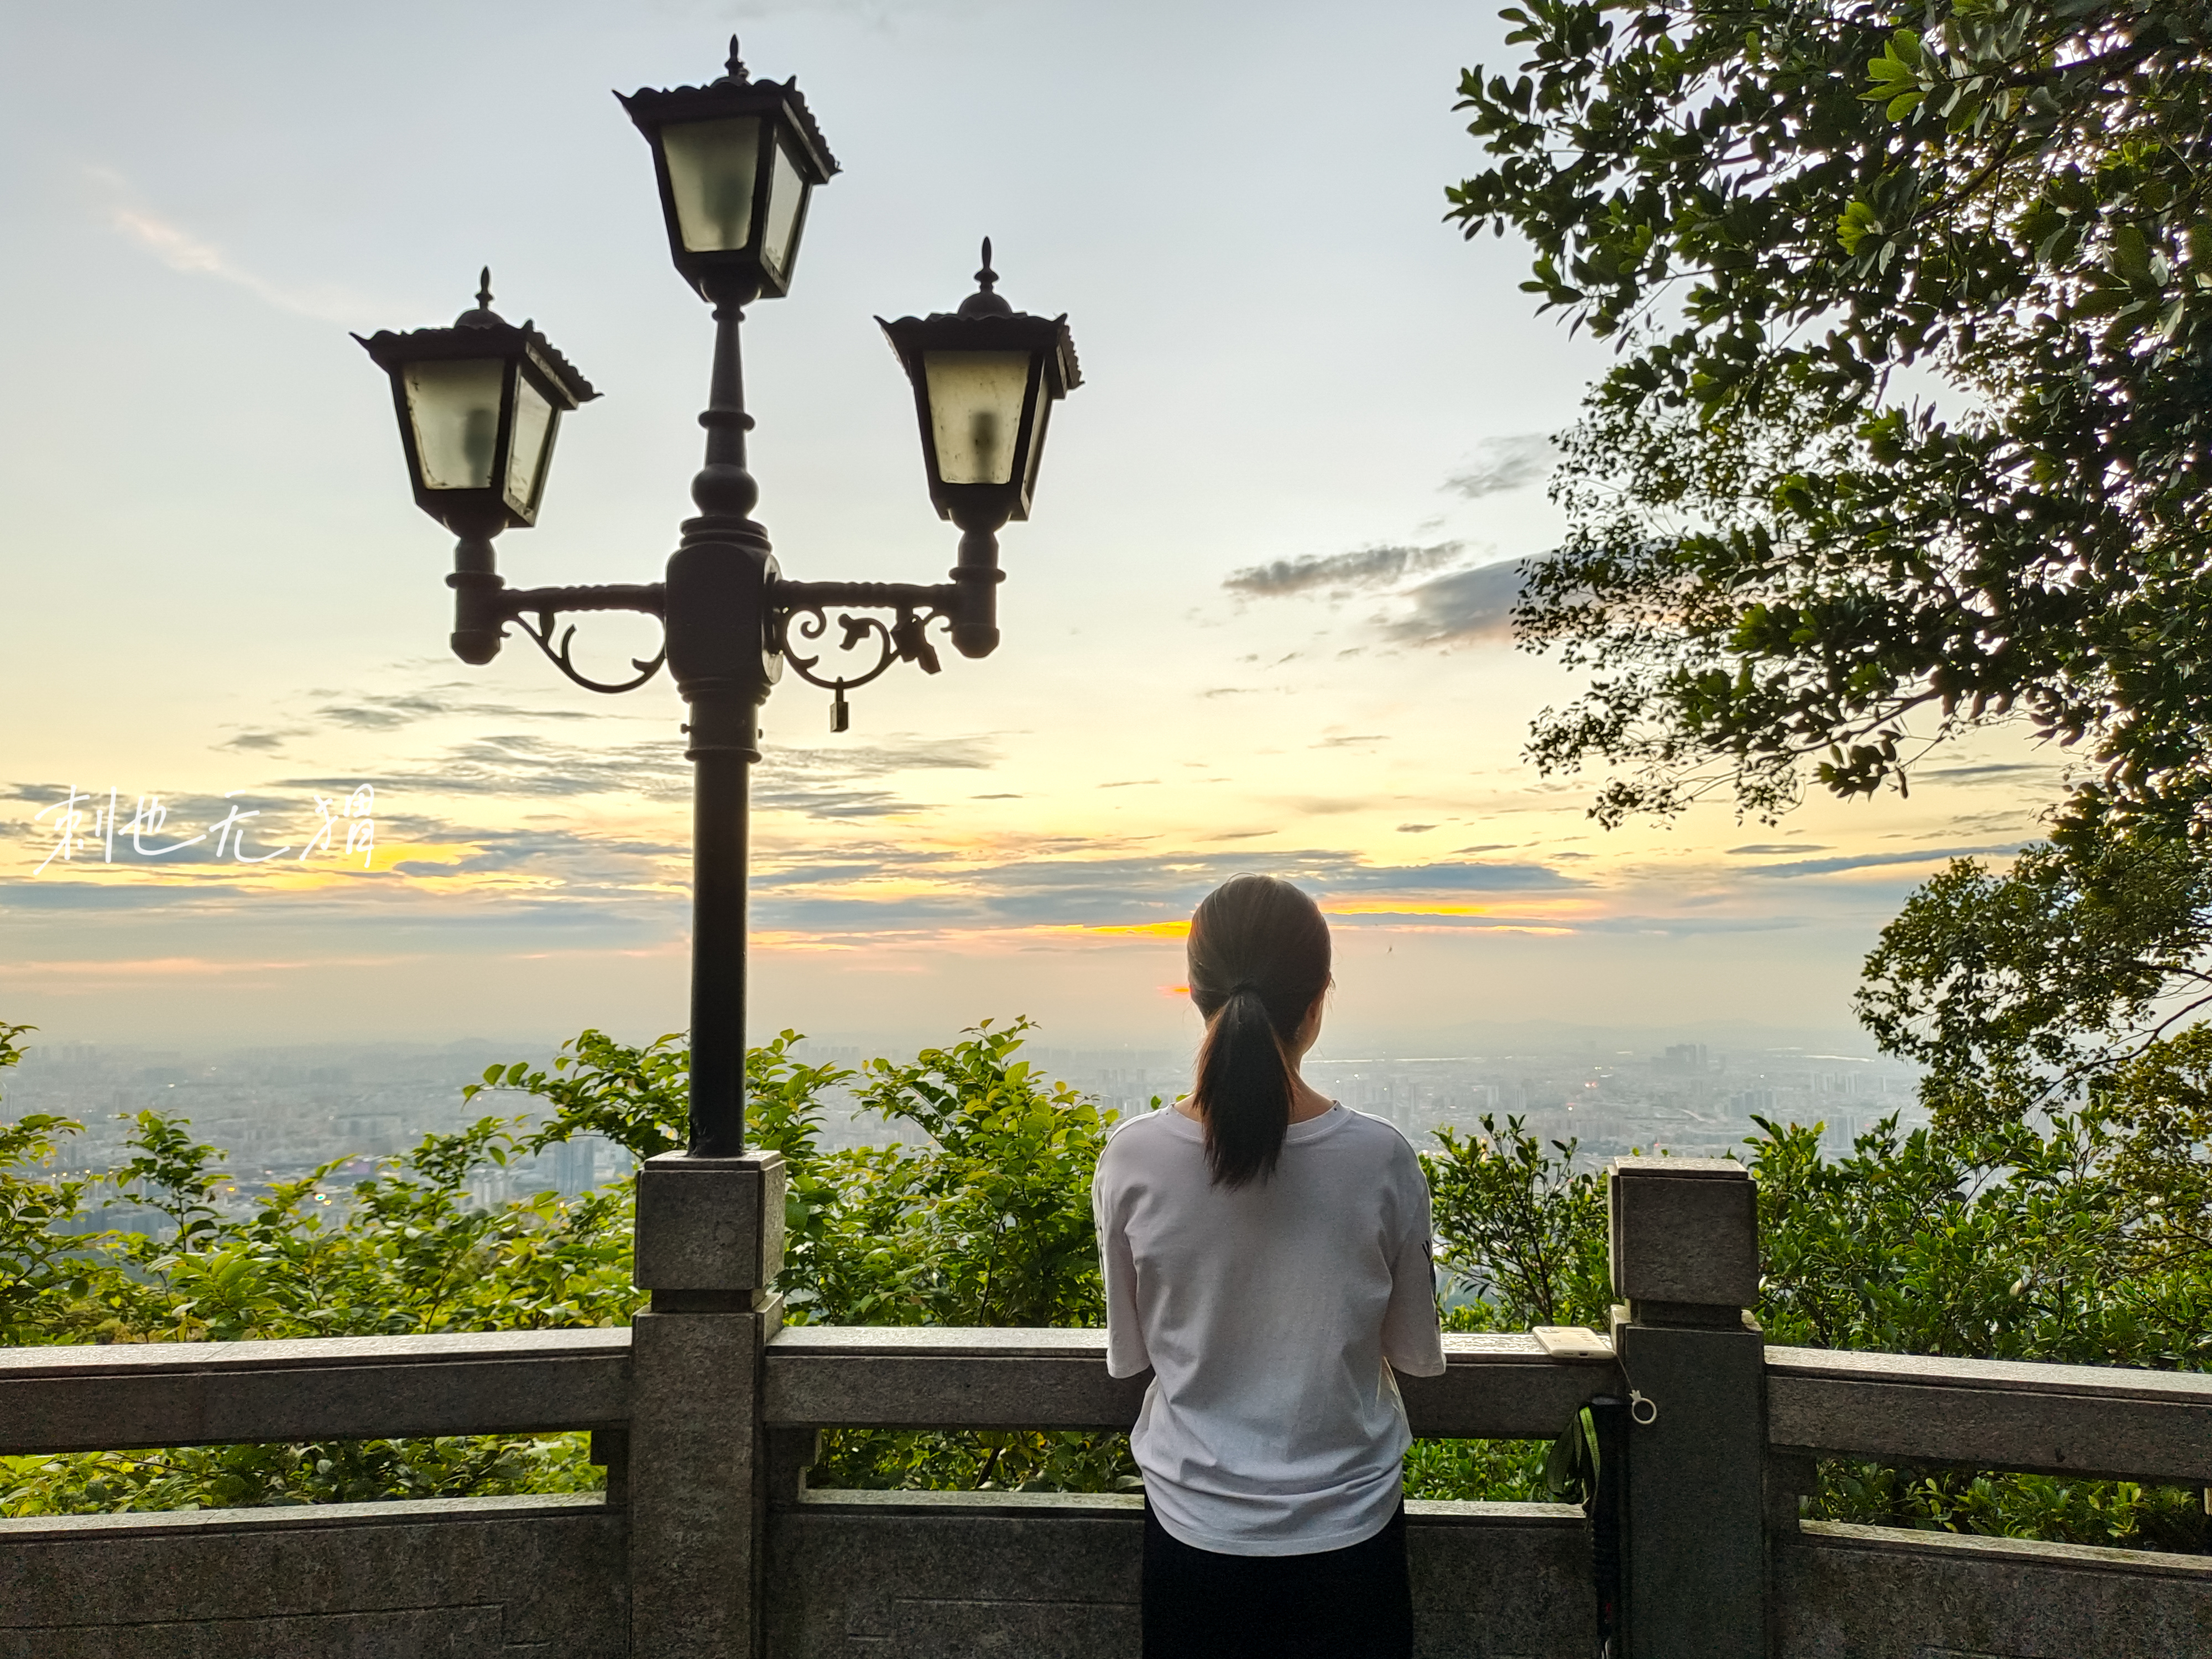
(708, 1542)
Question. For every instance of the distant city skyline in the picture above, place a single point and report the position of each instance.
(1258, 621)
(275, 1113)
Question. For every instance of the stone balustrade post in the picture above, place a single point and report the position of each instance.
(1686, 1261)
(710, 1242)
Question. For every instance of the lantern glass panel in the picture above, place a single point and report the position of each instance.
(455, 408)
(1036, 443)
(533, 437)
(786, 190)
(711, 165)
(975, 413)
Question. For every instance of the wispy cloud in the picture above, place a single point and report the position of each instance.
(523, 765)
(1871, 860)
(1503, 463)
(911, 892)
(180, 250)
(1990, 772)
(857, 760)
(390, 711)
(1478, 877)
(821, 783)
(334, 711)
(252, 740)
(1340, 572)
(1465, 607)
(841, 783)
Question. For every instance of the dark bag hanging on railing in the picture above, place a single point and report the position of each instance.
(1586, 1466)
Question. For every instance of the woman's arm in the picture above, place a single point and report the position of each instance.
(1126, 1355)
(1412, 1339)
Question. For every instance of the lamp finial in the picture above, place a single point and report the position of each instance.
(735, 68)
(986, 300)
(482, 316)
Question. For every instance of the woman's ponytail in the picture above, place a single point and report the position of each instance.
(1259, 953)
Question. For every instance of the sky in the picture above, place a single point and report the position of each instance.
(1255, 622)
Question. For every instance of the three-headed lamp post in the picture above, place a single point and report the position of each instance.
(481, 403)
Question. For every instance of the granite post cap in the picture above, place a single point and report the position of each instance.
(1685, 1231)
(709, 1224)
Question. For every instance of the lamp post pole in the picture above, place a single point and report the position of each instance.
(479, 404)
(719, 654)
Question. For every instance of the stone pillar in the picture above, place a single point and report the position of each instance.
(709, 1240)
(1686, 1260)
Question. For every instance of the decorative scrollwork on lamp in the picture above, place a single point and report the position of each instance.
(903, 639)
(542, 637)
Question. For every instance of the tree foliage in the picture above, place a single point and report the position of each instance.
(1520, 1229)
(2037, 984)
(1521, 1240)
(2002, 1243)
(1909, 427)
(1994, 1241)
(35, 1270)
(404, 1249)
(1909, 430)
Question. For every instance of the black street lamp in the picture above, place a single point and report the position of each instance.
(478, 405)
(736, 161)
(985, 378)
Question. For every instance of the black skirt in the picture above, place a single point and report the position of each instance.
(1351, 1603)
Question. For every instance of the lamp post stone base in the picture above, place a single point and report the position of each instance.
(709, 1241)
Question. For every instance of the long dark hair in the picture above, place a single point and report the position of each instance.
(1259, 960)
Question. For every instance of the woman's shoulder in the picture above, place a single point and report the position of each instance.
(1142, 1147)
(1138, 1131)
(1379, 1139)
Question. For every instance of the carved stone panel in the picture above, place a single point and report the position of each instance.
(457, 1578)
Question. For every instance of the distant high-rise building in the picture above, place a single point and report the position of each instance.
(576, 1165)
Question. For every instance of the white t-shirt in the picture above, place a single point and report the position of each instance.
(1271, 1316)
